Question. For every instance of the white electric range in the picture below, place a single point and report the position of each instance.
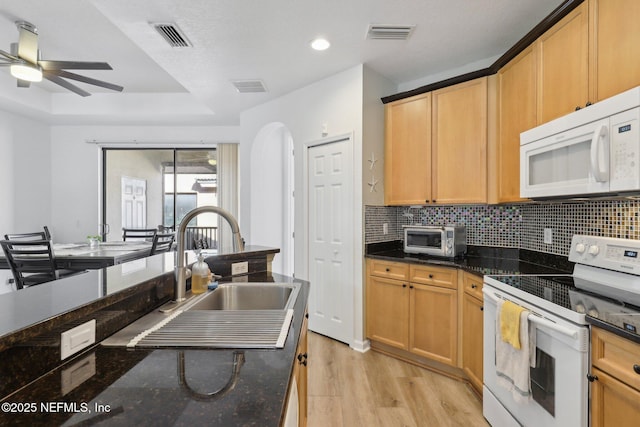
(605, 285)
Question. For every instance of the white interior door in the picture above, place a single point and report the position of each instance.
(330, 244)
(134, 202)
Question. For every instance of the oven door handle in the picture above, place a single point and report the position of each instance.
(536, 318)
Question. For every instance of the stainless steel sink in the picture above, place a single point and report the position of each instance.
(247, 297)
(235, 315)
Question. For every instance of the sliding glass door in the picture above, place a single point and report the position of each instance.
(156, 187)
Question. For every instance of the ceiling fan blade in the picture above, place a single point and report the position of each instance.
(27, 42)
(7, 56)
(23, 83)
(84, 79)
(65, 84)
(74, 65)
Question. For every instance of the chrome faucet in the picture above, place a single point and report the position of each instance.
(181, 270)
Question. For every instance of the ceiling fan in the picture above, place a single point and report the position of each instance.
(26, 65)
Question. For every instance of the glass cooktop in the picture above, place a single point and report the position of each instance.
(561, 291)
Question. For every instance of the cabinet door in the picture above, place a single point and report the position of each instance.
(563, 60)
(613, 403)
(459, 143)
(407, 151)
(302, 378)
(388, 311)
(434, 326)
(472, 333)
(615, 46)
(516, 113)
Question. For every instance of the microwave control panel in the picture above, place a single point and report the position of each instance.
(624, 137)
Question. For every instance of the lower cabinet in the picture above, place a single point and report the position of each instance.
(416, 313)
(615, 389)
(472, 329)
(296, 411)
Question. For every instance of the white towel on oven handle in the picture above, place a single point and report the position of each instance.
(512, 365)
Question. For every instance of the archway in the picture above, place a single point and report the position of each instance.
(272, 205)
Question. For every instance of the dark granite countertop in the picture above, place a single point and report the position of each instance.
(479, 260)
(122, 386)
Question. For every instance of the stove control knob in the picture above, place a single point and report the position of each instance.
(593, 312)
(594, 250)
(580, 308)
(580, 248)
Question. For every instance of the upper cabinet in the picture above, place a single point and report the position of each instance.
(516, 112)
(407, 152)
(614, 46)
(436, 146)
(563, 64)
(459, 143)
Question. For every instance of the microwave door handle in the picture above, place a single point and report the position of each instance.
(600, 142)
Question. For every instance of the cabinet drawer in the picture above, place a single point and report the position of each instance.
(388, 269)
(615, 355)
(472, 285)
(437, 276)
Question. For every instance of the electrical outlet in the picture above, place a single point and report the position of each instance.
(385, 228)
(239, 268)
(78, 338)
(548, 236)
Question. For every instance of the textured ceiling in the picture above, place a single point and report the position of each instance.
(266, 40)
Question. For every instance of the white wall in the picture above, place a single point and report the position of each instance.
(336, 101)
(25, 174)
(348, 102)
(75, 166)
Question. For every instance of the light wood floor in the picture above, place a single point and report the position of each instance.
(348, 388)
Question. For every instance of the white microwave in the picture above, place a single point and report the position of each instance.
(592, 151)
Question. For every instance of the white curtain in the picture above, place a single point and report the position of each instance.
(227, 190)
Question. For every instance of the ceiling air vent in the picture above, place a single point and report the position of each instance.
(389, 32)
(172, 34)
(249, 86)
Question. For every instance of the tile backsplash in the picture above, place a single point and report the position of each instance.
(514, 225)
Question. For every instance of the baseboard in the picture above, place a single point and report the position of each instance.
(361, 346)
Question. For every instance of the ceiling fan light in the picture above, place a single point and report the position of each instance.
(26, 71)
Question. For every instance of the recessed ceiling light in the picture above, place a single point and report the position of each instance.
(320, 44)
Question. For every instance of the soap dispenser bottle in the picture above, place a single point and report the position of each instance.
(200, 276)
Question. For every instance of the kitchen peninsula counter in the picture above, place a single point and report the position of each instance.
(138, 386)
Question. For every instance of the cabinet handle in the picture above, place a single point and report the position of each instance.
(636, 369)
(433, 201)
(592, 378)
(474, 286)
(387, 269)
(431, 276)
(577, 108)
(411, 287)
(481, 308)
(587, 104)
(404, 285)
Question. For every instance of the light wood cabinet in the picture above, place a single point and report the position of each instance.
(433, 329)
(407, 154)
(614, 47)
(517, 112)
(418, 315)
(299, 381)
(436, 146)
(459, 143)
(563, 66)
(388, 311)
(615, 391)
(472, 329)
